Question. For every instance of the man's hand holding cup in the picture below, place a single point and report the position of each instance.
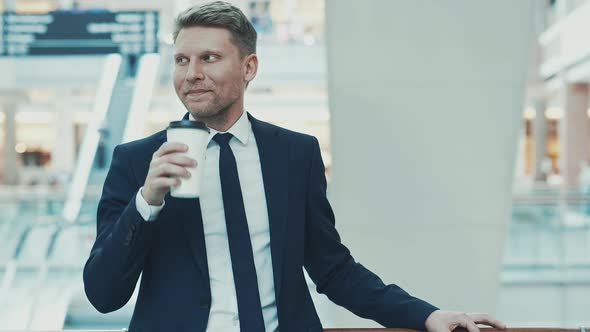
(169, 165)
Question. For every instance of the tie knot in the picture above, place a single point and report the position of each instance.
(223, 139)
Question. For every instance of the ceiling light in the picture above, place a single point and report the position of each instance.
(20, 148)
(530, 113)
(554, 113)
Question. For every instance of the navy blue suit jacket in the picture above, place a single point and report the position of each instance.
(174, 293)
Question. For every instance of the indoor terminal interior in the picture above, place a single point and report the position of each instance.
(455, 136)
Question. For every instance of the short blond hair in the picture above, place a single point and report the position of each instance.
(222, 15)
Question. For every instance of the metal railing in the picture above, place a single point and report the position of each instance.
(30, 237)
(558, 215)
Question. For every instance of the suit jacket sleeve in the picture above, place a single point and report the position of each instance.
(122, 239)
(336, 273)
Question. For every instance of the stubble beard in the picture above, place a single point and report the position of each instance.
(214, 111)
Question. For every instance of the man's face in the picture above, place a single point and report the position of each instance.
(209, 73)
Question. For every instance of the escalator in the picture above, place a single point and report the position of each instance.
(42, 256)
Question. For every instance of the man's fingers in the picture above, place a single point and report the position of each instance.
(166, 182)
(442, 321)
(176, 159)
(181, 160)
(169, 147)
(165, 170)
(469, 325)
(487, 320)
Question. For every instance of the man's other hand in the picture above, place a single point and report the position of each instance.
(168, 165)
(446, 321)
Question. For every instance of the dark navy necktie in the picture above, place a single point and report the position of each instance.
(240, 247)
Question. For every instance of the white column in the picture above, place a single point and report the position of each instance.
(426, 102)
(576, 131)
(561, 9)
(10, 174)
(64, 153)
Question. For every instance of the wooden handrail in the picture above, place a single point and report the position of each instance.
(544, 329)
(456, 330)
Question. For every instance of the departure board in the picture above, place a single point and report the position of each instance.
(78, 33)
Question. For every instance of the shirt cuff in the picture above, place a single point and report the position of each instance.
(147, 212)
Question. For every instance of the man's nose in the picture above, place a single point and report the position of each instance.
(195, 71)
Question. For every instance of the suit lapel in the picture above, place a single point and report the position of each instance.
(274, 153)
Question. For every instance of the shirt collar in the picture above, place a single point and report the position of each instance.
(240, 130)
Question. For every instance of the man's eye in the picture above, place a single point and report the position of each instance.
(181, 60)
(210, 57)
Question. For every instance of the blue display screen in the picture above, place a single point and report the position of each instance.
(77, 33)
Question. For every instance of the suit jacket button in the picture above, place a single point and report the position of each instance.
(128, 239)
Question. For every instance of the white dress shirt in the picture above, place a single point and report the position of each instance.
(224, 306)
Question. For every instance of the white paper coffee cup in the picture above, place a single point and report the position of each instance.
(195, 135)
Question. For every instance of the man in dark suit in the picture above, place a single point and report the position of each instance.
(233, 259)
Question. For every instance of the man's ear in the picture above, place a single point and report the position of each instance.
(250, 67)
